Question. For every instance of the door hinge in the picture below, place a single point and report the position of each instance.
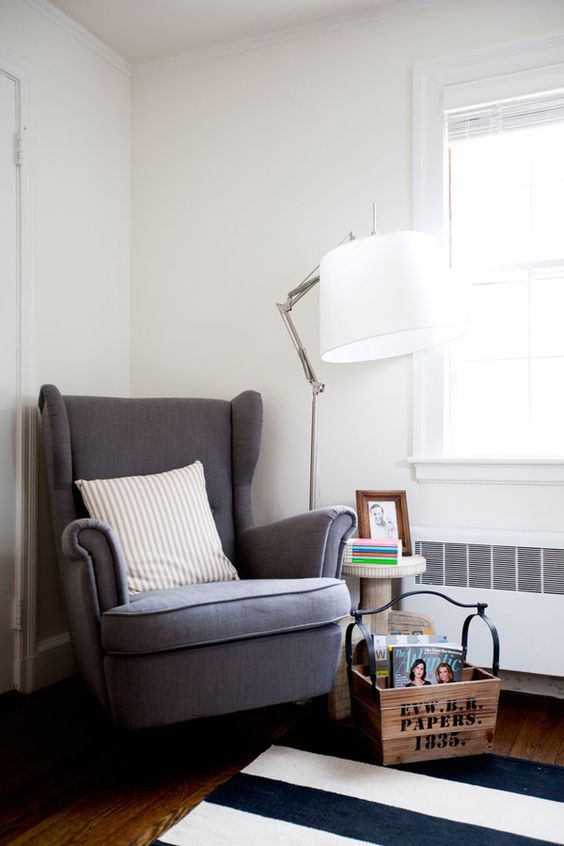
(18, 150)
(18, 615)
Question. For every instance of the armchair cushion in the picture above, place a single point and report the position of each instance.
(165, 527)
(204, 614)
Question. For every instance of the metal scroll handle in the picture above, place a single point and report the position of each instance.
(358, 614)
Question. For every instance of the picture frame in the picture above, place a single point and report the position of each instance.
(383, 514)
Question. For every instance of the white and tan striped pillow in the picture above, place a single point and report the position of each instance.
(165, 526)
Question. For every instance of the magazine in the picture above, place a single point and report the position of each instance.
(382, 642)
(431, 663)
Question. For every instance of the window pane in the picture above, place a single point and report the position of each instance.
(490, 200)
(548, 220)
(547, 310)
(547, 160)
(498, 319)
(491, 408)
(506, 225)
(507, 237)
(547, 402)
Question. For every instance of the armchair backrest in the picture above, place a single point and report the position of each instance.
(89, 437)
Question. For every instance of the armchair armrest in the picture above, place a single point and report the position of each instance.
(94, 542)
(93, 579)
(305, 546)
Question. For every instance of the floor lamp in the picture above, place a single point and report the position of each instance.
(381, 296)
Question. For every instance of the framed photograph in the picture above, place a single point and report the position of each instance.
(383, 514)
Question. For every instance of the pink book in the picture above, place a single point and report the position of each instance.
(393, 542)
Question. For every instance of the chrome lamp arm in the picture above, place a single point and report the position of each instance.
(285, 309)
(317, 387)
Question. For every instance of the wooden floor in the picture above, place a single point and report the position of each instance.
(68, 777)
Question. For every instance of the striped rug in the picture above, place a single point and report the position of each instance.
(296, 798)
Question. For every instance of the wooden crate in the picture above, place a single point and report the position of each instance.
(399, 725)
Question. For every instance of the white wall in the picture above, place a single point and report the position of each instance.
(79, 158)
(245, 170)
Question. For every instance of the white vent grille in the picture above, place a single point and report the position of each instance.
(552, 570)
(504, 568)
(523, 569)
(455, 554)
(479, 565)
(519, 574)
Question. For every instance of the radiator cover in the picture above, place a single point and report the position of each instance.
(521, 577)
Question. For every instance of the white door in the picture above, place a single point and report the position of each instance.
(8, 372)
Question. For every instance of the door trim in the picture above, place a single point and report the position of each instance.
(25, 576)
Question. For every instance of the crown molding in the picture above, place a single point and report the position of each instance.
(60, 19)
(538, 51)
(81, 34)
(390, 9)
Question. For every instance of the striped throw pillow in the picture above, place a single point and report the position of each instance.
(165, 527)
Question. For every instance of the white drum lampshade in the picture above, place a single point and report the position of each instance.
(386, 295)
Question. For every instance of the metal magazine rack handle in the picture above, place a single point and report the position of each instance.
(359, 613)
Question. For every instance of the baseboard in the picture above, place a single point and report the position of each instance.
(533, 684)
(53, 661)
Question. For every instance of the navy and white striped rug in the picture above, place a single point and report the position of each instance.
(296, 798)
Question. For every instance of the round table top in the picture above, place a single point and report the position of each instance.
(412, 565)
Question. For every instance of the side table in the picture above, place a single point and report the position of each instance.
(376, 586)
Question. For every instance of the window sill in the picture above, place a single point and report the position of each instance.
(509, 471)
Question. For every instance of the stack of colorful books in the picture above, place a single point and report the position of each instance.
(369, 551)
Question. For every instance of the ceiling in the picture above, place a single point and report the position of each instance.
(143, 31)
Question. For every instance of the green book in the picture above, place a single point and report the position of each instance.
(388, 561)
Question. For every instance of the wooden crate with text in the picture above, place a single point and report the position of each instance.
(399, 725)
(405, 724)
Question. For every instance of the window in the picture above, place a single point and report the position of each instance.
(507, 429)
(506, 235)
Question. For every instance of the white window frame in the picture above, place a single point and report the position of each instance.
(538, 64)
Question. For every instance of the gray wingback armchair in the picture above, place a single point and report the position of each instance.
(165, 656)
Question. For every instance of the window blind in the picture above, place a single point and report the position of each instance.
(506, 116)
